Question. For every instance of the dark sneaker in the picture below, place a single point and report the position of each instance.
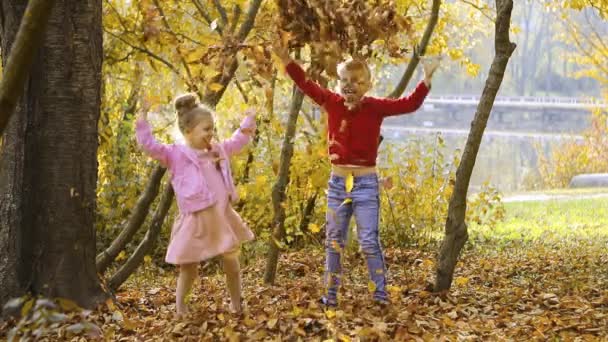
(328, 303)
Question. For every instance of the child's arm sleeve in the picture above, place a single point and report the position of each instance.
(145, 139)
(238, 140)
(311, 88)
(403, 105)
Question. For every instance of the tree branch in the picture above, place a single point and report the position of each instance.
(170, 30)
(21, 56)
(105, 258)
(236, 14)
(252, 11)
(147, 52)
(426, 37)
(222, 12)
(205, 14)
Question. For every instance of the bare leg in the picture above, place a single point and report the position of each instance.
(187, 275)
(233, 279)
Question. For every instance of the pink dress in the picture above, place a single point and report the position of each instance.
(209, 232)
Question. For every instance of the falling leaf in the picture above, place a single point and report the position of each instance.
(349, 182)
(347, 201)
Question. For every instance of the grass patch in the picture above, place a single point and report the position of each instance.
(551, 221)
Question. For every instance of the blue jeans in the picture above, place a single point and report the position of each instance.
(366, 206)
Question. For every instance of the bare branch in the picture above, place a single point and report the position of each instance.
(480, 9)
(147, 52)
(252, 11)
(201, 9)
(105, 258)
(222, 12)
(170, 30)
(236, 14)
(426, 37)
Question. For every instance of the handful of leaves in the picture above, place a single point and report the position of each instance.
(334, 28)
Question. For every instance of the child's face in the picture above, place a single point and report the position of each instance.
(200, 136)
(353, 85)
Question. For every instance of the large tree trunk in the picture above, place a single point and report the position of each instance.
(48, 172)
(280, 186)
(455, 228)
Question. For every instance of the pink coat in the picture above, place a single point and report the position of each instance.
(191, 190)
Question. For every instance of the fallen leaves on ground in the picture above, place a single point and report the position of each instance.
(513, 293)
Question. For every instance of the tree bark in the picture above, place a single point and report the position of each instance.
(455, 228)
(105, 258)
(280, 186)
(420, 51)
(146, 245)
(22, 51)
(48, 176)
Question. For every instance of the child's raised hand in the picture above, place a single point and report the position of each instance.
(429, 66)
(248, 124)
(281, 51)
(144, 108)
(251, 112)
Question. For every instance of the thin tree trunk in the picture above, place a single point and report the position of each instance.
(421, 49)
(308, 210)
(22, 53)
(48, 176)
(455, 228)
(256, 138)
(146, 245)
(105, 258)
(280, 186)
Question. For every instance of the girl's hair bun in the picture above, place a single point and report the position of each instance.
(185, 103)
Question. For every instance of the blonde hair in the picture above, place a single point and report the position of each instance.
(190, 112)
(353, 65)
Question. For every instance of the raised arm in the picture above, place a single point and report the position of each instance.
(311, 88)
(241, 136)
(403, 105)
(143, 134)
(413, 101)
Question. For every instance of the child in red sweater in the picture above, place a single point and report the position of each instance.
(354, 122)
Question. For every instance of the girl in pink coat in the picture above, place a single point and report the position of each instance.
(206, 226)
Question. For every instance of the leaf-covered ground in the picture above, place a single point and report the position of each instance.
(551, 287)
